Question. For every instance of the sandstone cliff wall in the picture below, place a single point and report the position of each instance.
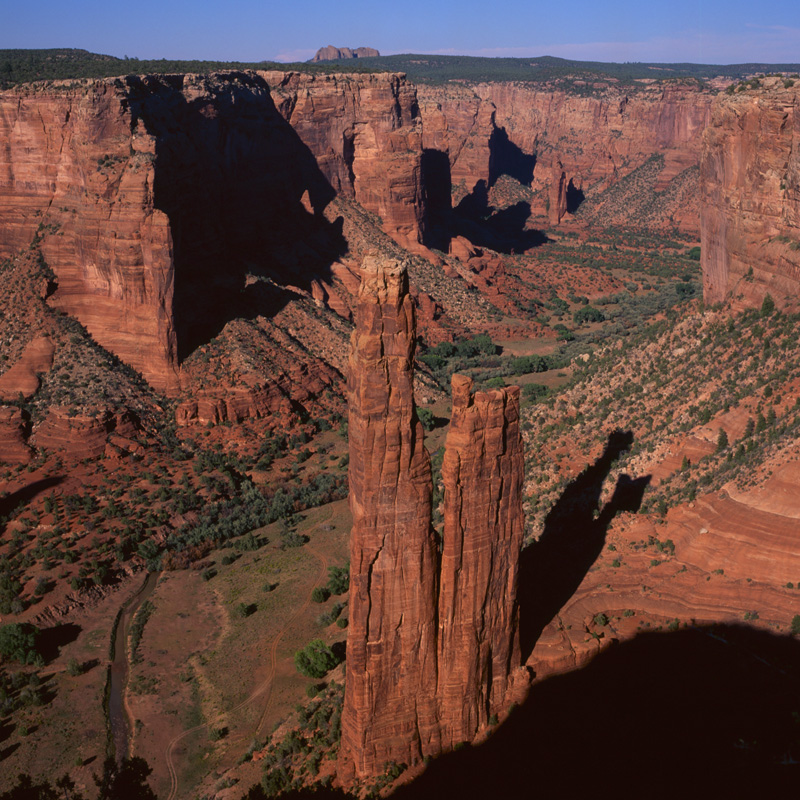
(598, 136)
(365, 132)
(156, 199)
(750, 184)
(483, 529)
(77, 173)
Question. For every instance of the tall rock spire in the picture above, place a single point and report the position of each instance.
(390, 703)
(478, 645)
(425, 669)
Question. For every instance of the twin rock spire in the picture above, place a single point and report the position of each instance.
(433, 640)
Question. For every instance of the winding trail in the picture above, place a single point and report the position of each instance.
(266, 686)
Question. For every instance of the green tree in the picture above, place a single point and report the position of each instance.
(722, 440)
(315, 659)
(19, 642)
(338, 579)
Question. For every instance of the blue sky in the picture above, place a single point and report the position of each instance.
(706, 31)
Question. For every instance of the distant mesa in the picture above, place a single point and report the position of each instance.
(331, 53)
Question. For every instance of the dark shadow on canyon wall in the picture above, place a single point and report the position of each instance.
(231, 173)
(507, 158)
(552, 568)
(503, 230)
(436, 180)
(702, 712)
(575, 197)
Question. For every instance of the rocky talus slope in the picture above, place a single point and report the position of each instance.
(750, 186)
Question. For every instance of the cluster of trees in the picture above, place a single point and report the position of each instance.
(126, 780)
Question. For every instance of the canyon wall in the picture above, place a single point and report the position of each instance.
(389, 706)
(365, 132)
(750, 184)
(431, 654)
(588, 136)
(484, 524)
(156, 199)
(78, 174)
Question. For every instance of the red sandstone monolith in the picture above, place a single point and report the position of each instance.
(389, 709)
(483, 529)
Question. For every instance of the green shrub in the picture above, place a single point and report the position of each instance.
(315, 659)
(588, 314)
(320, 594)
(426, 417)
(338, 579)
(795, 626)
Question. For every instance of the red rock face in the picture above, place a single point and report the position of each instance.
(750, 186)
(365, 133)
(155, 198)
(79, 435)
(23, 377)
(77, 172)
(557, 194)
(13, 446)
(413, 689)
(483, 529)
(389, 707)
(599, 137)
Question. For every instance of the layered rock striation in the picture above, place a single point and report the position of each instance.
(166, 205)
(389, 706)
(77, 175)
(431, 651)
(567, 142)
(750, 185)
(478, 642)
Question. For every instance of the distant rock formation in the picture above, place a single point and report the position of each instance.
(750, 197)
(598, 133)
(414, 687)
(331, 53)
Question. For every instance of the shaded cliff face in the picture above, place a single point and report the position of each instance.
(169, 205)
(243, 194)
(365, 133)
(598, 138)
(389, 707)
(483, 529)
(750, 183)
(76, 171)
